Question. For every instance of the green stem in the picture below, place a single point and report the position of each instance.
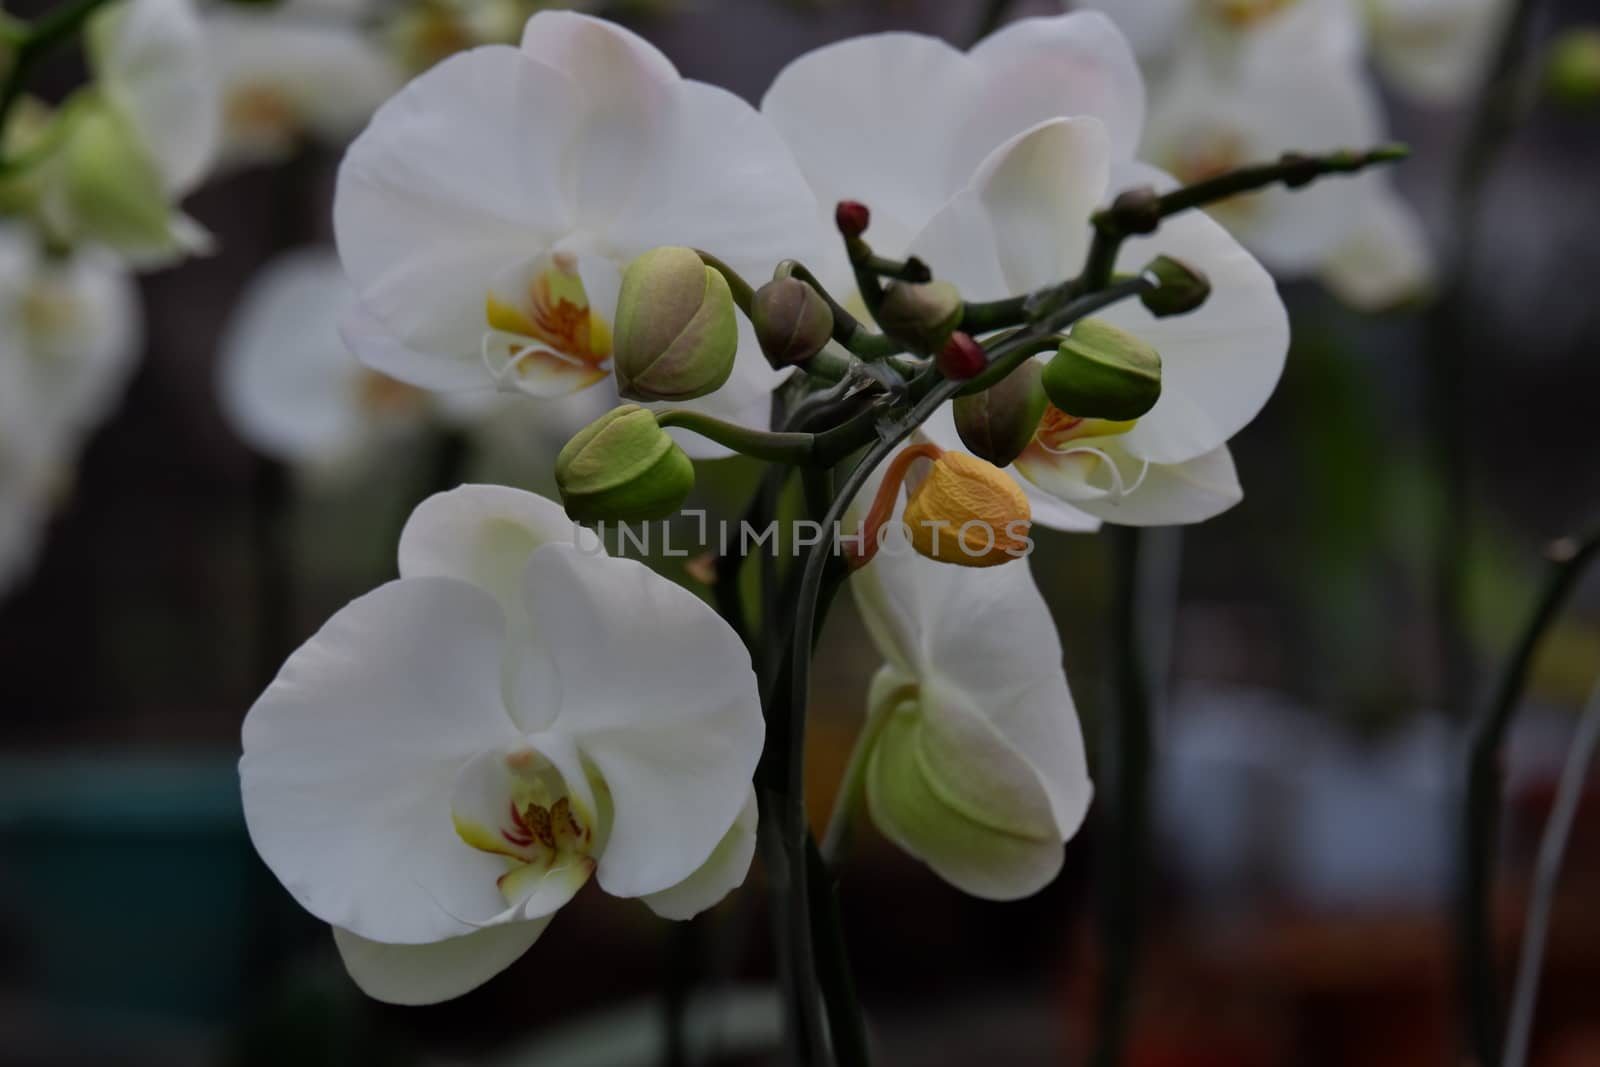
(743, 294)
(1547, 872)
(1127, 218)
(40, 38)
(1043, 335)
(1481, 811)
(853, 786)
(1124, 818)
(846, 1025)
(789, 448)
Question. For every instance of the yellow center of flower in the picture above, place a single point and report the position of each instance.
(261, 111)
(547, 331)
(529, 816)
(380, 395)
(1243, 14)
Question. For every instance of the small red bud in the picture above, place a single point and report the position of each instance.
(852, 217)
(962, 358)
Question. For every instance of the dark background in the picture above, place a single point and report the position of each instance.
(1303, 784)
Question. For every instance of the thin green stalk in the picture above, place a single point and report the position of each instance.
(846, 1025)
(790, 448)
(1124, 815)
(1547, 872)
(1481, 810)
(1447, 367)
(853, 786)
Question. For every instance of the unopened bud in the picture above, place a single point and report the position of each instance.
(1102, 372)
(1179, 288)
(1137, 211)
(677, 329)
(999, 423)
(623, 467)
(792, 320)
(1572, 73)
(962, 357)
(969, 512)
(852, 217)
(114, 191)
(922, 315)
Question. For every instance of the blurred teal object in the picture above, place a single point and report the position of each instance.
(128, 888)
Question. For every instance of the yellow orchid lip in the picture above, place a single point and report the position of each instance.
(548, 329)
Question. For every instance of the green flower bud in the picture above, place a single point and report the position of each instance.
(113, 189)
(792, 321)
(623, 467)
(1101, 372)
(921, 316)
(1572, 73)
(1180, 288)
(999, 422)
(677, 329)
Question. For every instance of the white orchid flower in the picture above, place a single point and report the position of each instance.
(140, 138)
(70, 334)
(1023, 223)
(972, 759)
(287, 79)
(452, 756)
(1165, 31)
(288, 385)
(1386, 259)
(900, 121)
(487, 212)
(1435, 51)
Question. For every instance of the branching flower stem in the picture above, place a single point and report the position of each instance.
(1481, 809)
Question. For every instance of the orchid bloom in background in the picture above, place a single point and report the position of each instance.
(1235, 81)
(288, 385)
(70, 333)
(972, 759)
(123, 151)
(1436, 51)
(900, 121)
(452, 756)
(486, 214)
(1022, 224)
(289, 76)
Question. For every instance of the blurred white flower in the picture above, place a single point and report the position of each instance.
(1436, 51)
(452, 756)
(974, 758)
(140, 138)
(1385, 260)
(286, 79)
(289, 386)
(1022, 224)
(487, 212)
(70, 332)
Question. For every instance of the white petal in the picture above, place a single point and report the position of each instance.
(870, 119)
(372, 342)
(1036, 69)
(721, 178)
(459, 175)
(1151, 26)
(1167, 494)
(285, 78)
(1219, 363)
(151, 58)
(984, 643)
(1386, 259)
(954, 794)
(427, 974)
(485, 534)
(1039, 190)
(628, 87)
(659, 695)
(351, 753)
(720, 875)
(288, 384)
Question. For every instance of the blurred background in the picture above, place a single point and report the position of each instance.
(1307, 743)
